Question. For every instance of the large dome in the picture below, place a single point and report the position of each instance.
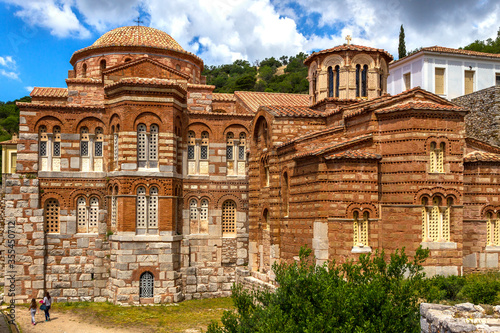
(137, 36)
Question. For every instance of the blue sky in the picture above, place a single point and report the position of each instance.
(39, 36)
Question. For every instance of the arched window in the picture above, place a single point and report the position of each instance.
(52, 216)
(142, 145)
(337, 81)
(358, 73)
(93, 214)
(141, 210)
(193, 210)
(153, 146)
(84, 70)
(81, 212)
(228, 218)
(330, 81)
(43, 148)
(314, 82)
(153, 208)
(360, 229)
(146, 285)
(84, 149)
(102, 65)
(114, 207)
(198, 154)
(436, 219)
(115, 146)
(229, 147)
(98, 149)
(203, 164)
(285, 193)
(56, 149)
(204, 210)
(436, 157)
(191, 152)
(493, 227)
(364, 81)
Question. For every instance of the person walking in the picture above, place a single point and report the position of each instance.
(33, 307)
(47, 301)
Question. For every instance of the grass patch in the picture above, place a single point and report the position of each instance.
(194, 314)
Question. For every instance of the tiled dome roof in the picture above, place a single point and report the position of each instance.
(137, 36)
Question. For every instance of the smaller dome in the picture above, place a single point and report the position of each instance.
(137, 36)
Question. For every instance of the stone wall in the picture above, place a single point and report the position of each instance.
(465, 317)
(483, 121)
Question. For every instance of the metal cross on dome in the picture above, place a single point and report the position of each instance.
(138, 21)
(348, 39)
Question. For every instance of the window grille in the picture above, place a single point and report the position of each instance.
(98, 148)
(94, 212)
(228, 217)
(146, 285)
(493, 227)
(337, 82)
(364, 81)
(43, 148)
(193, 209)
(82, 212)
(114, 210)
(141, 207)
(52, 216)
(229, 152)
(153, 143)
(84, 149)
(241, 152)
(330, 81)
(191, 152)
(57, 149)
(204, 152)
(153, 208)
(204, 210)
(141, 142)
(115, 149)
(425, 219)
(363, 230)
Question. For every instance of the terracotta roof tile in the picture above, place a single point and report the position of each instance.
(481, 156)
(50, 92)
(292, 111)
(350, 47)
(200, 86)
(449, 50)
(141, 60)
(354, 154)
(59, 106)
(253, 100)
(84, 80)
(223, 97)
(146, 81)
(420, 106)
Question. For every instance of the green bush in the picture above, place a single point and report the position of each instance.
(371, 295)
(440, 288)
(481, 288)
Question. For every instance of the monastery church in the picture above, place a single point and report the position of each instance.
(138, 184)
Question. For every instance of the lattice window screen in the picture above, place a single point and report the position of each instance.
(115, 148)
(141, 142)
(363, 230)
(146, 285)
(153, 208)
(84, 148)
(191, 152)
(204, 210)
(496, 231)
(114, 211)
(446, 225)
(229, 152)
(434, 223)
(94, 212)
(489, 233)
(424, 224)
(440, 158)
(43, 148)
(241, 152)
(193, 209)
(81, 204)
(57, 149)
(52, 216)
(355, 225)
(433, 158)
(153, 143)
(98, 148)
(228, 217)
(141, 207)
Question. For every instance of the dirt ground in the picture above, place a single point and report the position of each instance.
(61, 323)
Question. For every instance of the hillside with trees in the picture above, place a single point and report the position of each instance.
(489, 45)
(9, 118)
(286, 75)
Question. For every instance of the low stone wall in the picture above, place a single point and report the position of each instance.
(465, 317)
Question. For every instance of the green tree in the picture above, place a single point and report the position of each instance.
(370, 295)
(402, 45)
(489, 45)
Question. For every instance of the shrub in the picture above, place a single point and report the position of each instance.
(440, 288)
(481, 288)
(371, 295)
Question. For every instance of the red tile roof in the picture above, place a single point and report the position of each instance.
(481, 156)
(350, 47)
(420, 106)
(145, 81)
(449, 50)
(253, 100)
(141, 60)
(292, 111)
(50, 92)
(223, 97)
(87, 80)
(59, 106)
(354, 154)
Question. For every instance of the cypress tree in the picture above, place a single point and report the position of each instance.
(402, 46)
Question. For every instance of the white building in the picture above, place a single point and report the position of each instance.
(444, 71)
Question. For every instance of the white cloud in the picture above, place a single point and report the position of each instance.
(29, 88)
(55, 15)
(10, 68)
(9, 74)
